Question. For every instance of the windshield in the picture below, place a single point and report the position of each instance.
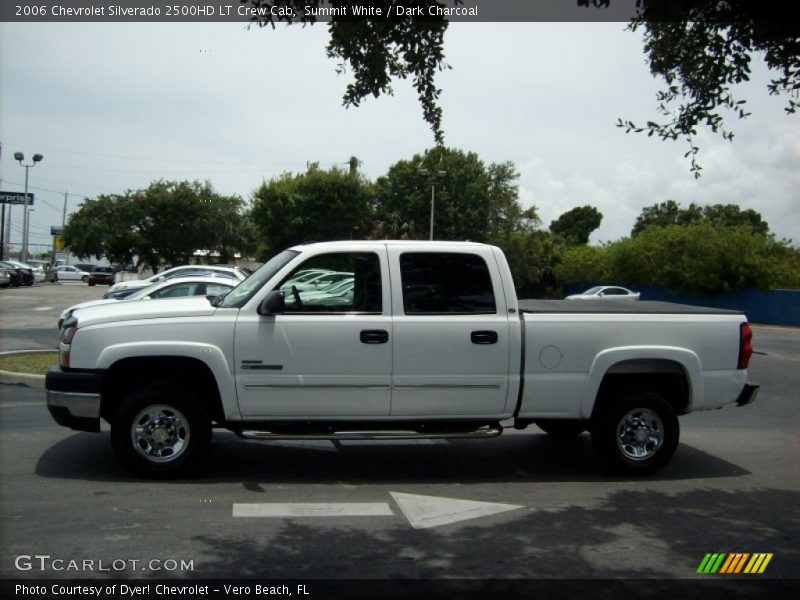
(239, 295)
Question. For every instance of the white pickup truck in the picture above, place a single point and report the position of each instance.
(429, 341)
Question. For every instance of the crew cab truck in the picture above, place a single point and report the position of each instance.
(430, 342)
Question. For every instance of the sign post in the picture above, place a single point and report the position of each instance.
(9, 198)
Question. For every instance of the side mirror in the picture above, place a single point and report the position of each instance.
(273, 304)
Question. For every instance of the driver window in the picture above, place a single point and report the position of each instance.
(342, 282)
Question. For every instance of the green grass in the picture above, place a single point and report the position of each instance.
(34, 363)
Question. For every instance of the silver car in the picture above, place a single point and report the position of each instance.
(608, 292)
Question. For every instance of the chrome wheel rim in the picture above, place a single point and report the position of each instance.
(640, 434)
(160, 433)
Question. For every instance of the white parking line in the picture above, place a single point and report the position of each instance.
(353, 509)
(43, 308)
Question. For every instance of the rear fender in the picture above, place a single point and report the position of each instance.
(607, 359)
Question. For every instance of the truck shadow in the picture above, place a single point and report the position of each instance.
(628, 534)
(526, 457)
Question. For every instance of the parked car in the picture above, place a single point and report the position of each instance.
(126, 288)
(5, 278)
(14, 274)
(70, 273)
(610, 292)
(27, 276)
(88, 267)
(104, 275)
(170, 288)
(40, 269)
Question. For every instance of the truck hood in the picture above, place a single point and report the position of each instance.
(133, 310)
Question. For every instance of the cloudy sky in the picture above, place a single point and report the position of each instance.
(115, 106)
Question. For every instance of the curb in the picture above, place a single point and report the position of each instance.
(26, 379)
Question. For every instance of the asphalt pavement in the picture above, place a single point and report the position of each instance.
(519, 506)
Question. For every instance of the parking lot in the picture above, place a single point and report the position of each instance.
(519, 506)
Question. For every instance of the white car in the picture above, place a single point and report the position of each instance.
(171, 288)
(182, 271)
(39, 267)
(608, 292)
(70, 273)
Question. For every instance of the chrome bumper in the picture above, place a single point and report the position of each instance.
(78, 404)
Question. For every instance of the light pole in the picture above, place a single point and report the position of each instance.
(19, 156)
(440, 175)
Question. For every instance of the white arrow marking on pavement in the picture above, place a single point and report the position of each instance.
(361, 509)
(424, 512)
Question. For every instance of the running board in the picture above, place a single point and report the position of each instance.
(482, 433)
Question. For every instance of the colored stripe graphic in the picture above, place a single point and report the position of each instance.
(711, 562)
(734, 563)
(759, 562)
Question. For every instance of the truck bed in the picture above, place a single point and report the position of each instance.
(603, 306)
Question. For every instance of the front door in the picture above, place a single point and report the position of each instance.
(329, 354)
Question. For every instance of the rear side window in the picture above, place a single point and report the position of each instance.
(437, 283)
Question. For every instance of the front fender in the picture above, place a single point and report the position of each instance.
(212, 356)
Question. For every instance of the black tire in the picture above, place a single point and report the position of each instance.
(55, 278)
(638, 435)
(174, 432)
(92, 283)
(562, 428)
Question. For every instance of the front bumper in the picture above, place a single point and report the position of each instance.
(74, 398)
(748, 394)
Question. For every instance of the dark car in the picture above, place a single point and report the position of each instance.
(103, 275)
(19, 275)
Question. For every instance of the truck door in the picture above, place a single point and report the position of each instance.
(451, 334)
(329, 354)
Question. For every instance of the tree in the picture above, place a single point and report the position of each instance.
(102, 226)
(576, 225)
(378, 49)
(166, 222)
(718, 215)
(317, 205)
(583, 264)
(666, 213)
(472, 201)
(698, 258)
(701, 49)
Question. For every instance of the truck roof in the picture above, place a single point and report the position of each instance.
(392, 243)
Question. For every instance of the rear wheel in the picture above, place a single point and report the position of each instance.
(158, 432)
(85, 279)
(638, 435)
(562, 428)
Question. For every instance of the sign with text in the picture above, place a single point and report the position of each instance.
(15, 198)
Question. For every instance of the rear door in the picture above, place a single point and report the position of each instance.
(451, 334)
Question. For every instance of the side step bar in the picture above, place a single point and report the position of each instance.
(482, 433)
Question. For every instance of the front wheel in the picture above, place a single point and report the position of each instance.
(638, 435)
(159, 433)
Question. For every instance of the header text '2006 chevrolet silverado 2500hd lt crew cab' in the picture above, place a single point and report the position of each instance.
(412, 340)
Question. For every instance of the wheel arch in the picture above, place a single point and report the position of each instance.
(676, 373)
(194, 375)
